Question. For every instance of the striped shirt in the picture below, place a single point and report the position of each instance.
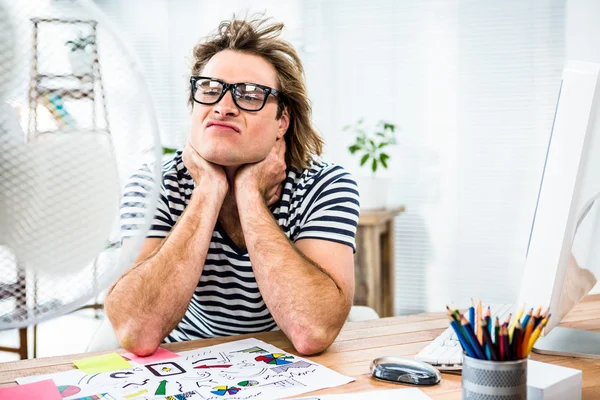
(320, 202)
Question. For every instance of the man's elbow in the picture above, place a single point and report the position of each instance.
(140, 342)
(313, 342)
(134, 336)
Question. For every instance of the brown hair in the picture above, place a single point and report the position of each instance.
(261, 38)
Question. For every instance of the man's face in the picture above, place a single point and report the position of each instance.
(252, 134)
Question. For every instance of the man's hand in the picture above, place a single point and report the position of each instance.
(204, 172)
(264, 177)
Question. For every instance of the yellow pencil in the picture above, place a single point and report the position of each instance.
(478, 319)
(511, 329)
(535, 336)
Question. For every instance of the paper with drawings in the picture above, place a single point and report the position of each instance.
(244, 369)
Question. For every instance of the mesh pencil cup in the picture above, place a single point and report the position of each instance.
(498, 380)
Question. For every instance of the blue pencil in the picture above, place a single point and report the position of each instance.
(472, 314)
(461, 338)
(473, 339)
(526, 319)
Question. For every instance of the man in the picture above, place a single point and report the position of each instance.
(252, 231)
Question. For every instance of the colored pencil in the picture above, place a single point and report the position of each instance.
(453, 314)
(490, 350)
(497, 336)
(459, 333)
(536, 335)
(504, 335)
(472, 314)
(488, 319)
(537, 318)
(514, 322)
(502, 349)
(516, 341)
(490, 329)
(472, 338)
(507, 321)
(526, 319)
(526, 336)
(478, 320)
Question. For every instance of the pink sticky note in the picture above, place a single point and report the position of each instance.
(42, 390)
(159, 355)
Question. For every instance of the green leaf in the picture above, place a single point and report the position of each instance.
(353, 148)
(364, 159)
(383, 159)
(383, 144)
(380, 134)
(374, 165)
(168, 150)
(372, 143)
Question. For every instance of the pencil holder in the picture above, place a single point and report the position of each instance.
(501, 380)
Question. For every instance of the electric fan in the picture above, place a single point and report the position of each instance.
(76, 121)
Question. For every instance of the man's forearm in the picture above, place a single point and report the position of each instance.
(304, 300)
(151, 298)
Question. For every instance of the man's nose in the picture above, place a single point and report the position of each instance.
(226, 106)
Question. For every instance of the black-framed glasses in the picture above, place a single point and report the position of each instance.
(247, 96)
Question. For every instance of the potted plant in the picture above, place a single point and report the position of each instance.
(371, 144)
(80, 56)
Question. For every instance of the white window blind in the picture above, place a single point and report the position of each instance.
(472, 86)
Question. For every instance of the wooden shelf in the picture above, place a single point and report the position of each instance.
(374, 260)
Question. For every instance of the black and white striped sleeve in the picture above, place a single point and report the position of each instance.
(332, 210)
(136, 202)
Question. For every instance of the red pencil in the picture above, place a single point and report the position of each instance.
(502, 349)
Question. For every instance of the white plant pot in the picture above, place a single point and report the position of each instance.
(81, 62)
(373, 192)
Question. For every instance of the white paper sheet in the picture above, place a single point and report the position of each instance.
(393, 394)
(244, 369)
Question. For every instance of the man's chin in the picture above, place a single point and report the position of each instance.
(229, 160)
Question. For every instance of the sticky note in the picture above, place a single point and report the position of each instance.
(104, 363)
(159, 355)
(46, 390)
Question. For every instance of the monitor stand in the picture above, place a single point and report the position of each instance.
(569, 342)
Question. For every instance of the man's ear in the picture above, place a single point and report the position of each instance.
(284, 123)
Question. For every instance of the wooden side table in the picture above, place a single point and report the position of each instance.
(374, 260)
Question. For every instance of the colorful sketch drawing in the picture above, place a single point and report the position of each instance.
(247, 383)
(185, 396)
(136, 384)
(103, 396)
(254, 349)
(275, 359)
(230, 375)
(287, 383)
(204, 359)
(162, 387)
(68, 390)
(223, 390)
(203, 366)
(121, 374)
(225, 357)
(136, 394)
(168, 368)
(297, 364)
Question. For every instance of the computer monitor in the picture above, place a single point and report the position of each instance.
(563, 256)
